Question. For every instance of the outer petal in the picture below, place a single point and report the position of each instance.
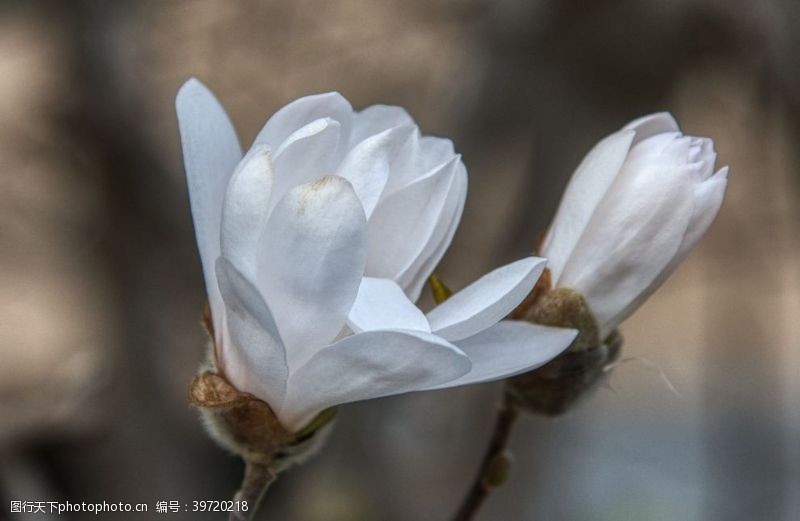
(589, 184)
(311, 263)
(404, 222)
(708, 197)
(210, 154)
(486, 301)
(245, 212)
(435, 151)
(369, 365)
(381, 304)
(413, 279)
(648, 126)
(407, 167)
(308, 154)
(253, 357)
(707, 202)
(509, 348)
(367, 165)
(376, 119)
(303, 111)
(635, 232)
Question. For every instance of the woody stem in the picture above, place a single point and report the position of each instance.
(484, 482)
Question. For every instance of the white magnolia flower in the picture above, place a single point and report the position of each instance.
(313, 242)
(635, 207)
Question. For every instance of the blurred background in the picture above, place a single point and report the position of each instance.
(101, 289)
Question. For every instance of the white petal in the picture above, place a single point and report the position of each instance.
(210, 154)
(636, 231)
(245, 212)
(707, 202)
(487, 300)
(509, 348)
(253, 359)
(311, 261)
(413, 278)
(369, 365)
(367, 165)
(647, 126)
(306, 155)
(708, 197)
(303, 111)
(407, 167)
(435, 151)
(381, 304)
(420, 157)
(377, 118)
(404, 222)
(588, 185)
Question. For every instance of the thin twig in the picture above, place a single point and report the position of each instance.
(257, 479)
(484, 481)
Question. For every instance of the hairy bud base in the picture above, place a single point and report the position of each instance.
(248, 427)
(555, 387)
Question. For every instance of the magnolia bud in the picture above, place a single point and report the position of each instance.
(633, 210)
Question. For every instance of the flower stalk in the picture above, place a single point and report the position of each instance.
(257, 479)
(247, 426)
(496, 463)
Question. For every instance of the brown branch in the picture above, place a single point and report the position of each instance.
(494, 467)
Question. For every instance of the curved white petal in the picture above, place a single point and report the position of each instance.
(245, 211)
(650, 125)
(308, 154)
(303, 111)
(210, 154)
(509, 348)
(435, 151)
(707, 202)
(588, 185)
(404, 222)
(407, 166)
(367, 165)
(369, 365)
(311, 261)
(708, 197)
(381, 304)
(376, 119)
(636, 231)
(487, 300)
(413, 278)
(253, 357)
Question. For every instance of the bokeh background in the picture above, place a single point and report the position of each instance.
(101, 289)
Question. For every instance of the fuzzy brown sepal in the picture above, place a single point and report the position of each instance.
(564, 307)
(554, 388)
(248, 427)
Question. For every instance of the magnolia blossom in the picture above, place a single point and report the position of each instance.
(635, 207)
(314, 245)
